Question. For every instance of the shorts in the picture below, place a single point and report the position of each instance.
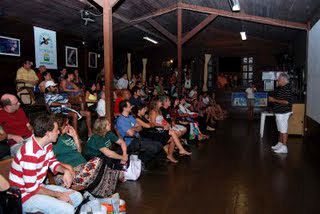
(250, 102)
(282, 122)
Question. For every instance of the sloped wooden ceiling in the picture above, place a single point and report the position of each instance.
(65, 16)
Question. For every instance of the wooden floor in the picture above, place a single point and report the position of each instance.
(235, 172)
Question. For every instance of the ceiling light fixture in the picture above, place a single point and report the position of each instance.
(150, 40)
(235, 5)
(243, 35)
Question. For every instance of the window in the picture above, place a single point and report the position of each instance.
(247, 70)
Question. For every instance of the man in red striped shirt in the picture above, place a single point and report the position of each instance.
(29, 169)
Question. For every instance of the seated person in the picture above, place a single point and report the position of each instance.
(194, 130)
(99, 144)
(135, 99)
(157, 119)
(59, 104)
(3, 135)
(4, 184)
(41, 70)
(164, 135)
(128, 126)
(68, 152)
(120, 96)
(27, 76)
(46, 76)
(91, 96)
(73, 92)
(29, 169)
(77, 79)
(14, 122)
(101, 106)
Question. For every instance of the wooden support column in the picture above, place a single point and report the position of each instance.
(86, 63)
(179, 47)
(108, 55)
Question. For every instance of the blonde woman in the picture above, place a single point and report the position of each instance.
(156, 119)
(99, 144)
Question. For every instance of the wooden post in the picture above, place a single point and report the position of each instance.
(108, 56)
(179, 47)
(86, 61)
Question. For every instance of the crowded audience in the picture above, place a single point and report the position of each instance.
(150, 119)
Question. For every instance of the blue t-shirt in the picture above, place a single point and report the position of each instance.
(124, 124)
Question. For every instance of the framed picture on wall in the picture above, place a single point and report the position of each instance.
(71, 56)
(93, 58)
(9, 46)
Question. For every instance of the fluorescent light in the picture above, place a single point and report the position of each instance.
(235, 5)
(150, 40)
(243, 35)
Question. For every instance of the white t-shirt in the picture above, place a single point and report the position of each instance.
(250, 93)
(187, 84)
(122, 83)
(101, 108)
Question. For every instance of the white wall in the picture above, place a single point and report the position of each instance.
(313, 84)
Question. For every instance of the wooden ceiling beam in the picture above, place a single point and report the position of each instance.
(149, 16)
(198, 28)
(125, 20)
(244, 16)
(162, 30)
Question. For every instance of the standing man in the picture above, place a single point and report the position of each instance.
(282, 108)
(30, 167)
(14, 122)
(250, 100)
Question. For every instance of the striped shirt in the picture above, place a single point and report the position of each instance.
(283, 93)
(30, 166)
(56, 98)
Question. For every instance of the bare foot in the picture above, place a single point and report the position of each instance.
(184, 153)
(172, 159)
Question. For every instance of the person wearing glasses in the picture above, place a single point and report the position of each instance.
(14, 122)
(27, 78)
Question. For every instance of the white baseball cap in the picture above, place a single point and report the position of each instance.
(50, 83)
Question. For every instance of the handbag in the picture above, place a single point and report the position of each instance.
(134, 169)
(10, 201)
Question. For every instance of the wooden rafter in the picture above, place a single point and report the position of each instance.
(151, 15)
(162, 30)
(243, 16)
(125, 20)
(198, 28)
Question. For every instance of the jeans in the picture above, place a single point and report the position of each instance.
(50, 205)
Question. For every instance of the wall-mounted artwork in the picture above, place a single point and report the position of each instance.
(45, 46)
(9, 46)
(93, 59)
(71, 56)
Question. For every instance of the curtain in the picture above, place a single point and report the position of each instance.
(144, 70)
(205, 72)
(129, 66)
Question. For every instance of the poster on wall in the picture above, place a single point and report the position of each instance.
(9, 46)
(71, 56)
(240, 99)
(93, 58)
(260, 99)
(45, 42)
